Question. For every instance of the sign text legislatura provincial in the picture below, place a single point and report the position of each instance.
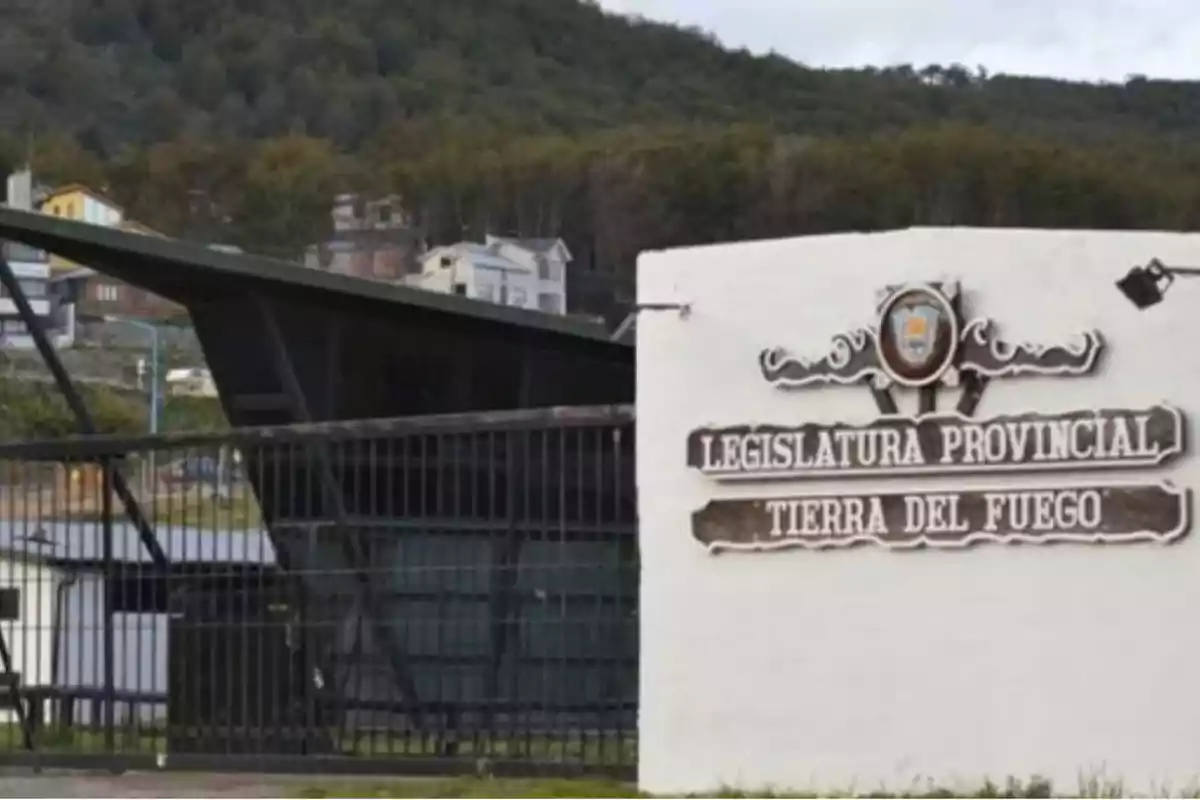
(934, 444)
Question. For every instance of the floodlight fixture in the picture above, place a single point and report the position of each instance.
(1146, 285)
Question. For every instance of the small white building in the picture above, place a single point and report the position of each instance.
(525, 273)
(190, 382)
(53, 585)
(29, 586)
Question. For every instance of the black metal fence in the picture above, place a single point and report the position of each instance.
(433, 594)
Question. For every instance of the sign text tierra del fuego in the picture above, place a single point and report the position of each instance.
(1146, 512)
(941, 444)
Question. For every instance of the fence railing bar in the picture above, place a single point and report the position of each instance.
(92, 447)
(501, 558)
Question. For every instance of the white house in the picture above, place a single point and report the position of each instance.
(853, 578)
(526, 273)
(32, 270)
(31, 267)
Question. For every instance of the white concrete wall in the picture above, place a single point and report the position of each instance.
(30, 638)
(140, 650)
(866, 667)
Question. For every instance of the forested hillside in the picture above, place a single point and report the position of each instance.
(121, 72)
(236, 121)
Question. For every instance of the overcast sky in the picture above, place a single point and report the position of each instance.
(1086, 39)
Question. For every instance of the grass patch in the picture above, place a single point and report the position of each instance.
(596, 751)
(81, 740)
(183, 509)
(471, 787)
(189, 510)
(1091, 787)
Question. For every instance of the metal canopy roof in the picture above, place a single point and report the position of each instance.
(183, 270)
(291, 346)
(287, 344)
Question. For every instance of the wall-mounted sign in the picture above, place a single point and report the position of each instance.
(919, 340)
(1094, 514)
(941, 443)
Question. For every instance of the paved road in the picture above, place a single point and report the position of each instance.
(23, 783)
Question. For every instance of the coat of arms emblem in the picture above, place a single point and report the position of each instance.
(920, 340)
(918, 336)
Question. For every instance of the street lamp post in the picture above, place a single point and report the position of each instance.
(1145, 286)
(154, 390)
(149, 471)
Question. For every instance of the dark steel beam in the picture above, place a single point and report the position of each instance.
(333, 367)
(110, 652)
(83, 417)
(506, 552)
(101, 445)
(335, 503)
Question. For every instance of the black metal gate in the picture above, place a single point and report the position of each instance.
(432, 595)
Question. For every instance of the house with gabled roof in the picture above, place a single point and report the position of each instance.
(525, 273)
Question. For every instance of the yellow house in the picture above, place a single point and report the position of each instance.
(78, 202)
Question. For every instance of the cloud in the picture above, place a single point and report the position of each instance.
(1086, 39)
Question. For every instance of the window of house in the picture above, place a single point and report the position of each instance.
(10, 604)
(56, 210)
(549, 270)
(518, 297)
(550, 303)
(460, 288)
(108, 292)
(486, 291)
(15, 326)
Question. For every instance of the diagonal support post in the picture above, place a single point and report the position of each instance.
(83, 417)
(335, 502)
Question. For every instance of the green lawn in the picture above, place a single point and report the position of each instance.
(188, 509)
(468, 787)
(599, 751)
(81, 741)
(488, 787)
(191, 510)
(55, 740)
